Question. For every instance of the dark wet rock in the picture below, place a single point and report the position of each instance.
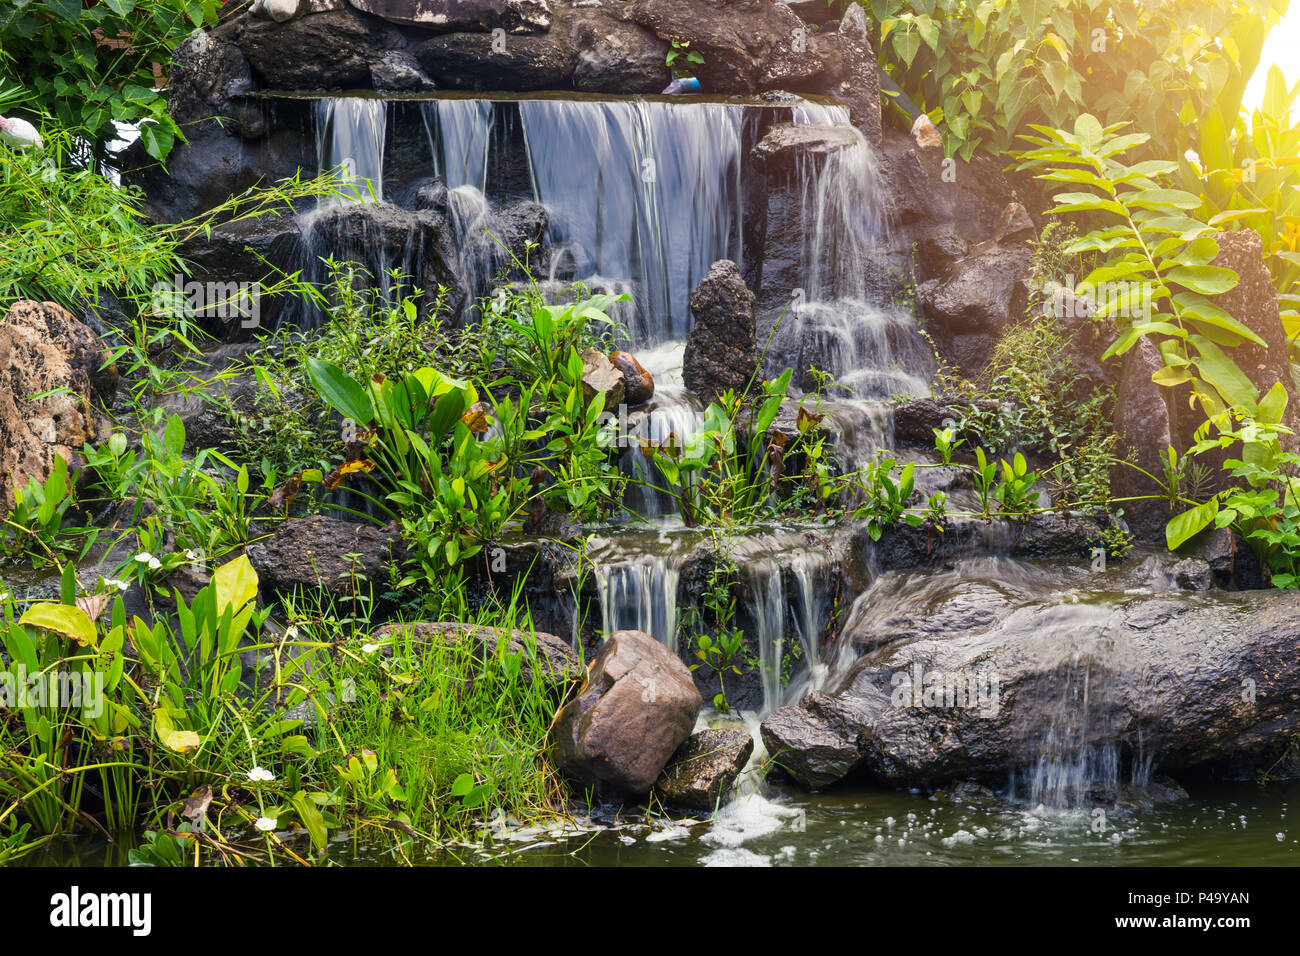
(381, 236)
(1048, 535)
(1191, 685)
(399, 71)
(1146, 429)
(702, 773)
(1232, 561)
(472, 61)
(753, 46)
(313, 553)
(282, 11)
(814, 742)
(208, 71)
(721, 352)
(513, 16)
(967, 793)
(984, 292)
(556, 667)
(1015, 223)
(639, 384)
(969, 607)
(232, 253)
(1193, 574)
(915, 421)
(600, 377)
(813, 11)
(322, 51)
(937, 251)
(45, 351)
(613, 55)
(636, 708)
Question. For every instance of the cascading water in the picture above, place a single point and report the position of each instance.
(647, 191)
(350, 134)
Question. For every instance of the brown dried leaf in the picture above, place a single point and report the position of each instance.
(477, 418)
(196, 805)
(283, 496)
(92, 605)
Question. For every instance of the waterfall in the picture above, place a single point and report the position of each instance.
(350, 132)
(779, 612)
(640, 595)
(647, 191)
(871, 349)
(459, 132)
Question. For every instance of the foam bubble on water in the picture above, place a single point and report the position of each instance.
(735, 857)
(749, 817)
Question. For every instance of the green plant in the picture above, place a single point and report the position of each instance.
(680, 50)
(1015, 489)
(985, 70)
(718, 643)
(1157, 253)
(93, 66)
(885, 498)
(34, 527)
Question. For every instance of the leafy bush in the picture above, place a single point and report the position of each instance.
(987, 69)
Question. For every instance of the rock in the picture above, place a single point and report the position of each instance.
(400, 71)
(311, 553)
(282, 11)
(925, 133)
(721, 351)
(1146, 429)
(703, 771)
(915, 421)
(381, 236)
(784, 142)
(44, 350)
(985, 292)
(1015, 224)
(474, 61)
(554, 662)
(636, 708)
(812, 742)
(753, 46)
(207, 70)
(1193, 574)
(613, 55)
(1159, 679)
(323, 51)
(231, 253)
(513, 16)
(1232, 561)
(1253, 302)
(600, 377)
(639, 384)
(1044, 535)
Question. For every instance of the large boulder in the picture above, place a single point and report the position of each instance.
(637, 707)
(753, 45)
(722, 350)
(592, 49)
(983, 293)
(332, 50)
(513, 16)
(1146, 428)
(46, 352)
(1184, 684)
(545, 658)
(702, 773)
(342, 558)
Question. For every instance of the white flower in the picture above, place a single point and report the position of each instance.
(4, 597)
(291, 634)
(120, 585)
(265, 824)
(193, 555)
(369, 648)
(144, 557)
(259, 773)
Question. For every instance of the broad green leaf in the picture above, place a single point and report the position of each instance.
(235, 583)
(1187, 525)
(340, 391)
(66, 619)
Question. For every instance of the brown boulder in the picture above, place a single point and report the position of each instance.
(637, 707)
(44, 350)
(639, 384)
